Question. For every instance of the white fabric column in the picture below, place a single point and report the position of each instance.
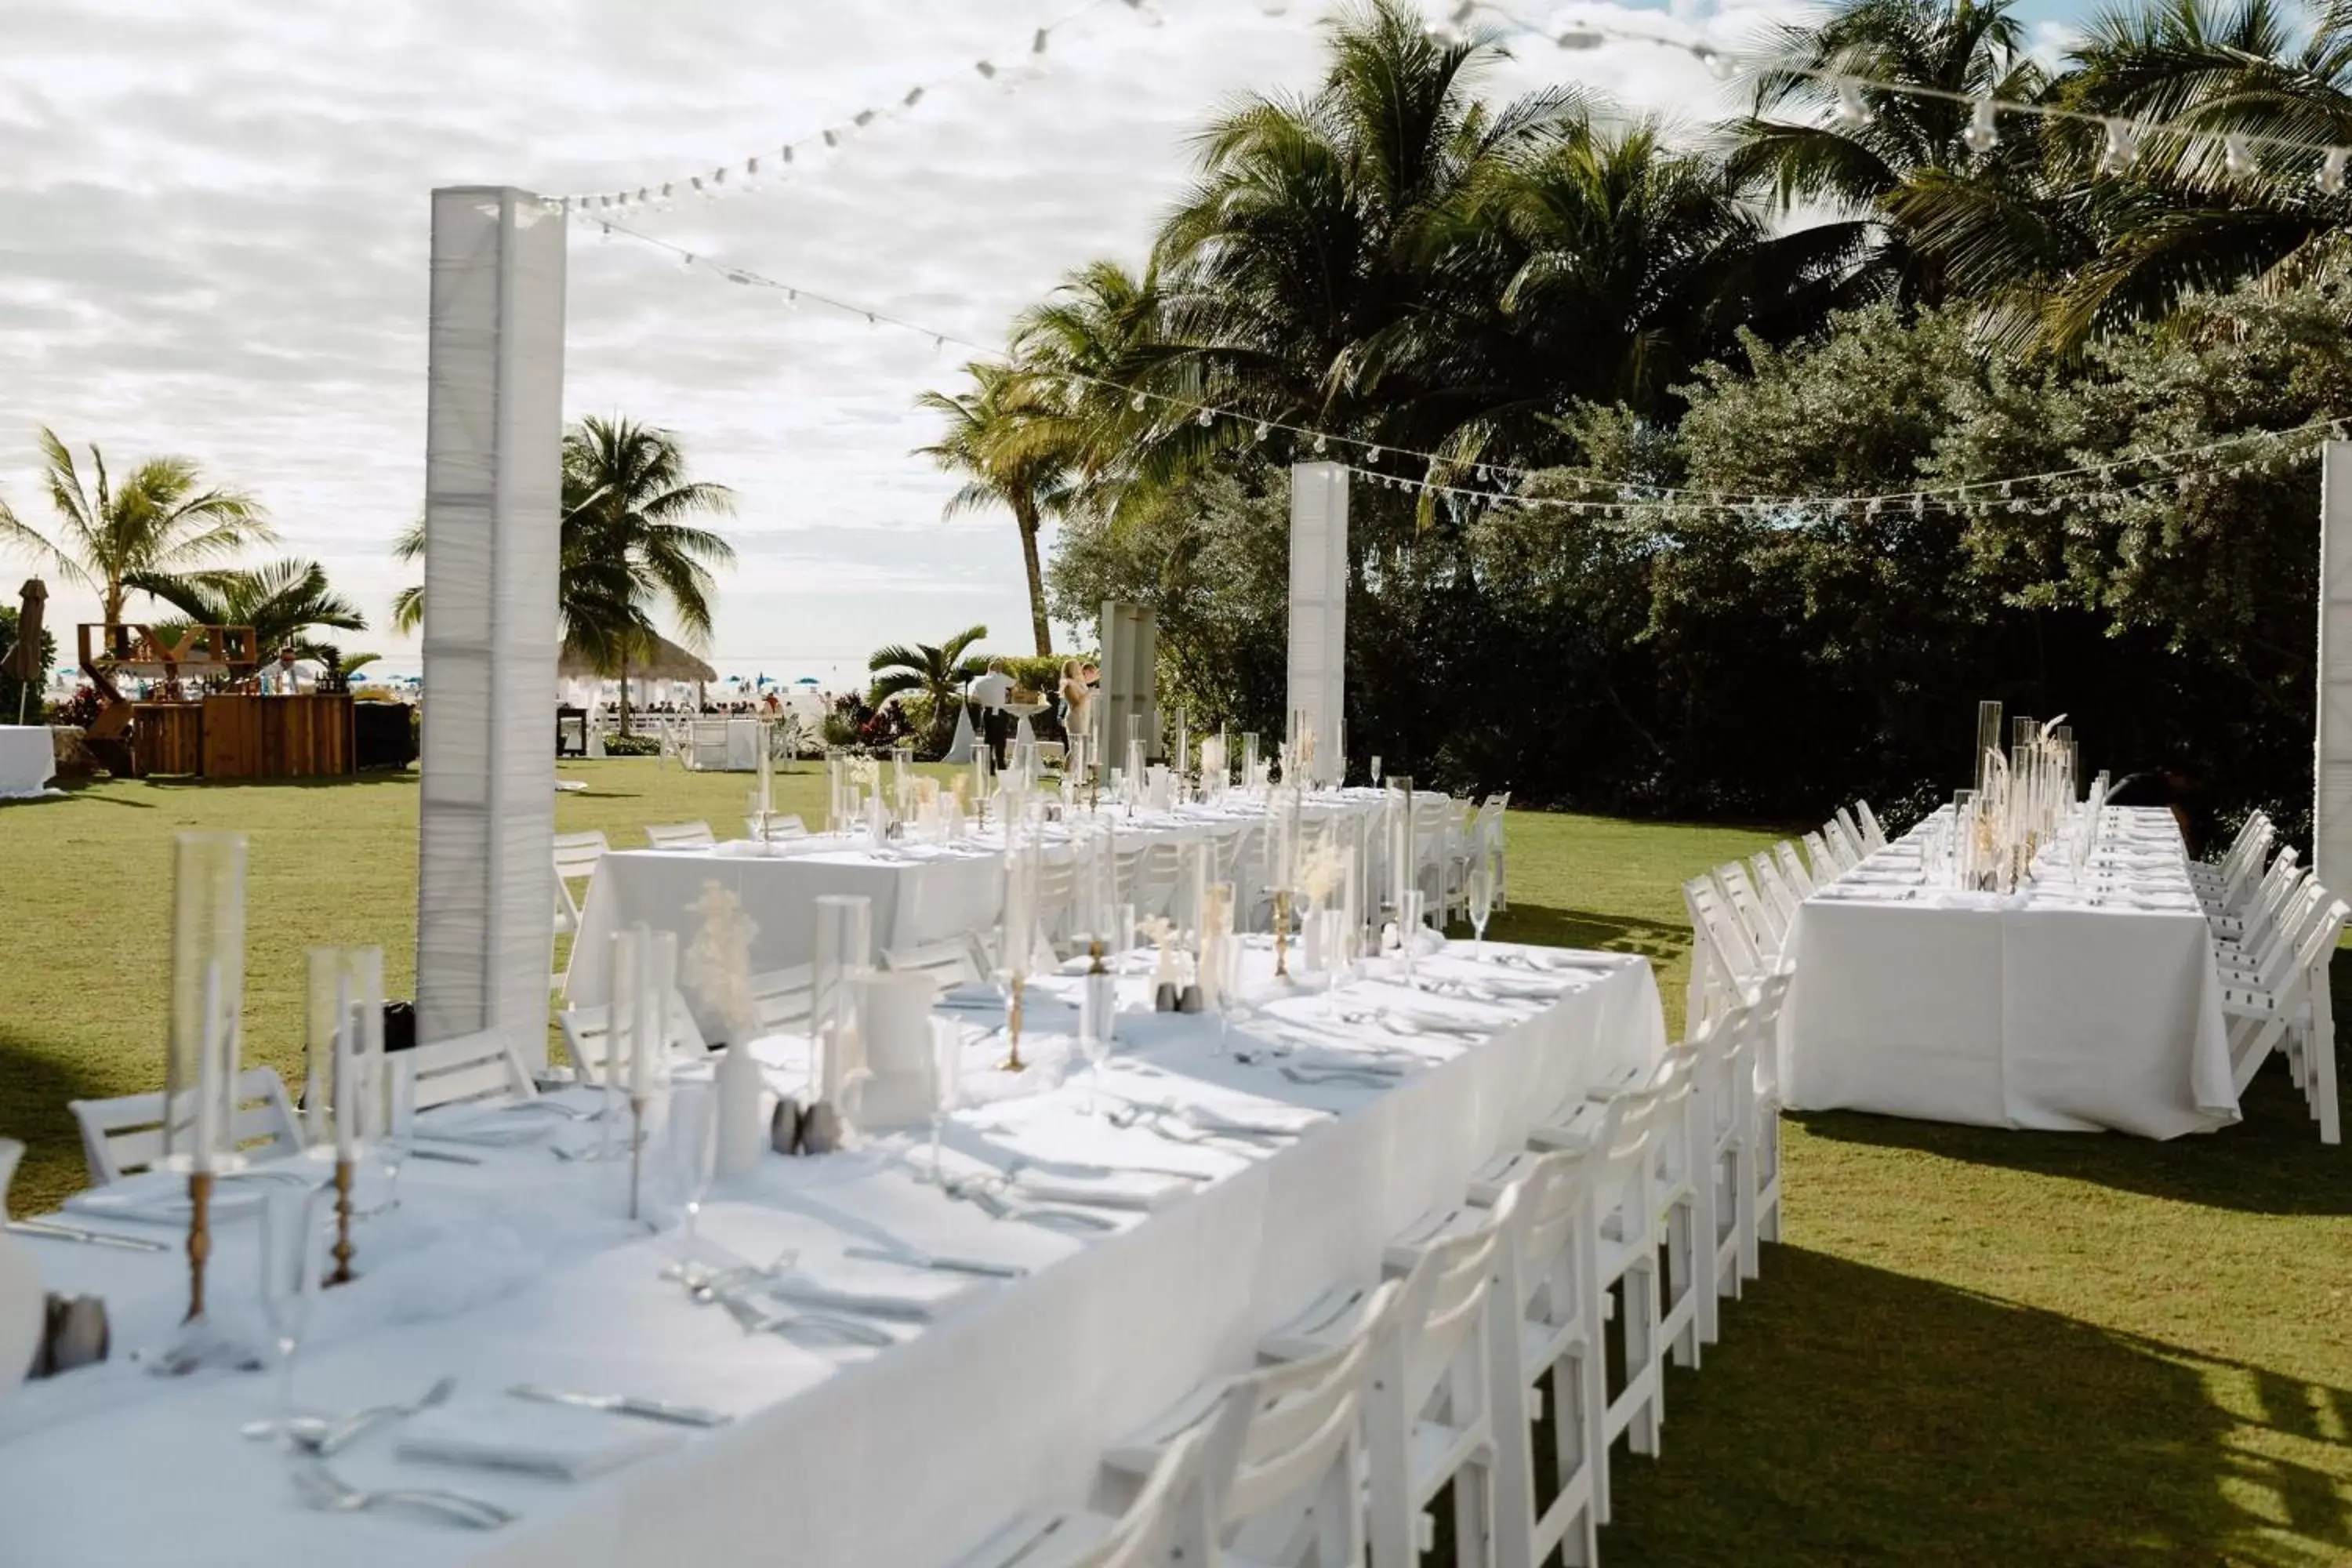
(494, 427)
(1129, 635)
(1319, 607)
(2331, 807)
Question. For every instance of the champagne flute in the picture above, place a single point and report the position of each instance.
(1482, 902)
(1376, 773)
(400, 1126)
(947, 1083)
(293, 1264)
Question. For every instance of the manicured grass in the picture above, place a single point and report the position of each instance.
(1974, 1346)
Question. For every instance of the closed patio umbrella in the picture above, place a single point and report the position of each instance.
(24, 661)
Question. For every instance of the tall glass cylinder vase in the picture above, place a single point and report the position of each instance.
(845, 950)
(344, 1015)
(1988, 744)
(207, 1001)
(1249, 760)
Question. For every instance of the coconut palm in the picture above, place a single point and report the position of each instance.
(1012, 439)
(628, 547)
(162, 522)
(281, 602)
(940, 673)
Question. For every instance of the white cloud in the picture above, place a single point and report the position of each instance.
(212, 243)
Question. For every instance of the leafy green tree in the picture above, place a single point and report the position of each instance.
(938, 673)
(1012, 440)
(162, 522)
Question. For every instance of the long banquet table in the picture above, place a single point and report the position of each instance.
(920, 892)
(519, 1269)
(2089, 999)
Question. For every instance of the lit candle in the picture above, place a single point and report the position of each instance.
(347, 1075)
(209, 1086)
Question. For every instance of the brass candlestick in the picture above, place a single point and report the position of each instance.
(342, 1248)
(200, 1238)
(1282, 935)
(1012, 1062)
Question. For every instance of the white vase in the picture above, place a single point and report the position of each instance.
(741, 1131)
(22, 1300)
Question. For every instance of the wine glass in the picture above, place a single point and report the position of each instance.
(1482, 902)
(293, 1263)
(693, 1115)
(1376, 773)
(947, 1083)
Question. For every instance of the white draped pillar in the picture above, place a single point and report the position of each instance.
(1319, 608)
(494, 427)
(2331, 809)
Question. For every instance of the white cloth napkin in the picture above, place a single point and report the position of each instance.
(875, 1289)
(1272, 1120)
(555, 1441)
(1115, 1189)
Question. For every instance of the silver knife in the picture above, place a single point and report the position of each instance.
(979, 1265)
(58, 1231)
(623, 1404)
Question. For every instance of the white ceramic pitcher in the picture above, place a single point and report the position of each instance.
(22, 1300)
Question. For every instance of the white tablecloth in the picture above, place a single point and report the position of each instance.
(920, 892)
(27, 758)
(2072, 1005)
(518, 1271)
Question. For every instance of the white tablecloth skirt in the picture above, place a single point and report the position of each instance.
(840, 1458)
(27, 758)
(2065, 1020)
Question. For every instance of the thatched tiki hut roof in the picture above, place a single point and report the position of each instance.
(664, 661)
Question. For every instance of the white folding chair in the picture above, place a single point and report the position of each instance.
(1844, 853)
(124, 1135)
(783, 998)
(1293, 1497)
(949, 963)
(1685, 1203)
(2252, 924)
(1792, 868)
(1156, 879)
(779, 828)
(680, 835)
(1724, 960)
(1170, 1521)
(1762, 921)
(479, 1066)
(2251, 841)
(1057, 882)
(1430, 1408)
(703, 748)
(1874, 838)
(577, 856)
(1774, 890)
(2259, 1015)
(1824, 868)
(587, 1036)
(2229, 884)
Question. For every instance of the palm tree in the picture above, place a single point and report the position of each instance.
(162, 524)
(627, 546)
(940, 673)
(1013, 438)
(281, 602)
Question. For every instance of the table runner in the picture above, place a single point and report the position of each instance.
(2078, 1003)
(839, 1457)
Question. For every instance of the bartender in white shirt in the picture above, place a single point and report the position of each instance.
(991, 692)
(284, 678)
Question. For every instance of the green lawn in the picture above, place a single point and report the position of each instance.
(1974, 1347)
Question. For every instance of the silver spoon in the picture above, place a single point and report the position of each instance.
(322, 1488)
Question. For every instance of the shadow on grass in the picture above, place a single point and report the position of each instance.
(1654, 940)
(1853, 1415)
(330, 780)
(79, 789)
(36, 1082)
(2272, 1163)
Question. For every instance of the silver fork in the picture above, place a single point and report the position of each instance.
(322, 1488)
(333, 1438)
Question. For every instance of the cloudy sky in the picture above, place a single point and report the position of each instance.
(213, 226)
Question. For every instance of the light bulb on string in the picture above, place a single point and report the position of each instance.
(1578, 37)
(1206, 418)
(913, 96)
(1983, 133)
(2330, 178)
(1373, 455)
(1135, 403)
(695, 181)
(862, 119)
(1321, 444)
(987, 70)
(832, 137)
(1259, 434)
(750, 174)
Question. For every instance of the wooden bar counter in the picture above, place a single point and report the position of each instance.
(243, 736)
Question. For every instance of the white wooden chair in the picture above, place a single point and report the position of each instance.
(1774, 889)
(1430, 1407)
(1685, 1203)
(783, 998)
(1845, 849)
(477, 1066)
(587, 1036)
(949, 963)
(1874, 838)
(1170, 1521)
(122, 1136)
(780, 827)
(1058, 885)
(2260, 1016)
(1760, 921)
(577, 856)
(1725, 963)
(1293, 1497)
(680, 836)
(1758, 1197)
(1157, 879)
(1546, 1309)
(2253, 841)
(1793, 866)
(1824, 867)
(2248, 928)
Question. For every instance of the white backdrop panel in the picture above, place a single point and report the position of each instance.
(1319, 607)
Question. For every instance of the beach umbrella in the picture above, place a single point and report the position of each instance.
(24, 661)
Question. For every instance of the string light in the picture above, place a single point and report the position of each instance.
(1498, 480)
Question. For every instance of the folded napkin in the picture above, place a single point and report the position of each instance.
(555, 1441)
(970, 996)
(161, 1196)
(1112, 1189)
(1270, 1120)
(875, 1290)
